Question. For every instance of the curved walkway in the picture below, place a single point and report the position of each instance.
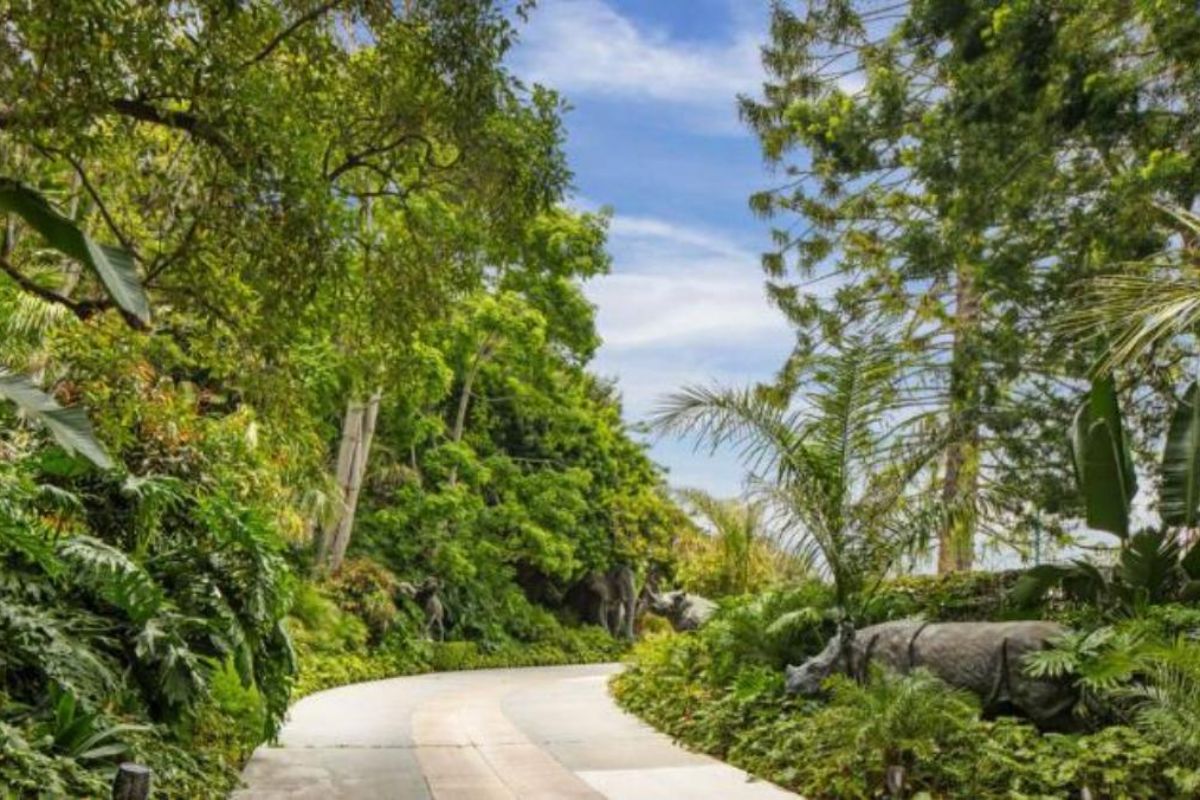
(545, 733)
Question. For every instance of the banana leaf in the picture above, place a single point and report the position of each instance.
(69, 426)
(112, 265)
(1103, 465)
(1179, 498)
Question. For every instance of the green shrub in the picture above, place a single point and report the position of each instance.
(368, 590)
(841, 748)
(949, 597)
(32, 769)
(333, 649)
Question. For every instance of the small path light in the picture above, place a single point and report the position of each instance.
(132, 782)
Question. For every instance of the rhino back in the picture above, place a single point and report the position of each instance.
(885, 644)
(973, 655)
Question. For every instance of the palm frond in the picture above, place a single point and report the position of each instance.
(1146, 304)
(835, 472)
(766, 438)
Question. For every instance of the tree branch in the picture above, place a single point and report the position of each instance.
(283, 35)
(91, 190)
(82, 309)
(179, 120)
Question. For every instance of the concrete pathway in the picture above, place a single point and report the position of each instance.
(546, 733)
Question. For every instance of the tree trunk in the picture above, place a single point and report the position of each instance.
(464, 399)
(358, 470)
(956, 540)
(347, 451)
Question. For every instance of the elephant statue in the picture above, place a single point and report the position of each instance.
(608, 599)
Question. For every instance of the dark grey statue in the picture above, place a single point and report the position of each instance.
(427, 596)
(983, 657)
(613, 599)
(684, 610)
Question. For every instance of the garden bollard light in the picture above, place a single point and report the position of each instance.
(132, 782)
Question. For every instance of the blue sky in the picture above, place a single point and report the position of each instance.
(654, 134)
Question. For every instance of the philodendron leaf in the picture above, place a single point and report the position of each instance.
(112, 265)
(69, 426)
(1179, 499)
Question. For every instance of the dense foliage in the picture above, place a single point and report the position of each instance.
(954, 171)
(1003, 193)
(721, 690)
(294, 353)
(228, 234)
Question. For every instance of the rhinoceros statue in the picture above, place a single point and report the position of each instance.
(983, 657)
(684, 610)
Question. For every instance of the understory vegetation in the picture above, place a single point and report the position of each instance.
(721, 691)
(294, 383)
(296, 389)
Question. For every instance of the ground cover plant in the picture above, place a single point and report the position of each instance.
(720, 690)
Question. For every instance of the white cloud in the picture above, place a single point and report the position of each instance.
(675, 286)
(649, 231)
(650, 310)
(685, 305)
(584, 46)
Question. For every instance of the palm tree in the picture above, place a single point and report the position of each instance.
(1148, 303)
(739, 542)
(835, 466)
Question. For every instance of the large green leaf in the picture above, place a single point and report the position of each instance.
(1150, 564)
(1036, 581)
(112, 265)
(69, 426)
(1179, 498)
(1191, 561)
(1103, 465)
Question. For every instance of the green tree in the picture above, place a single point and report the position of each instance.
(957, 168)
(833, 465)
(735, 550)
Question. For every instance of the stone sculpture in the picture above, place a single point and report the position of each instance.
(684, 610)
(426, 595)
(983, 657)
(613, 599)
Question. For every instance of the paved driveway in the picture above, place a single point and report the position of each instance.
(545, 733)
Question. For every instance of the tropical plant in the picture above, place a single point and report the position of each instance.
(80, 733)
(114, 268)
(1152, 565)
(1166, 702)
(734, 551)
(900, 720)
(1145, 304)
(770, 629)
(835, 467)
